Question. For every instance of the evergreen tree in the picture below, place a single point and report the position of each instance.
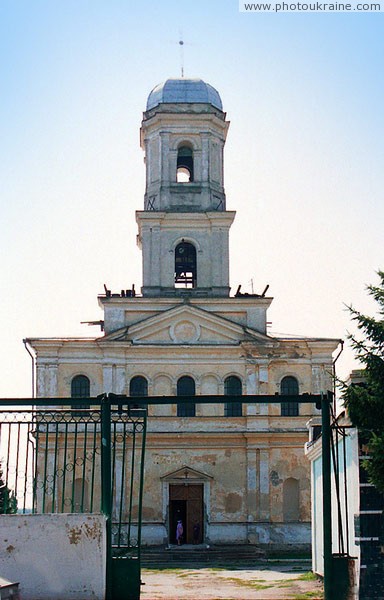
(8, 502)
(365, 402)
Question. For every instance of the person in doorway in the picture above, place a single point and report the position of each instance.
(179, 533)
(196, 532)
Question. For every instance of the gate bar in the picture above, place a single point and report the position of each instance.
(327, 504)
(106, 481)
(134, 400)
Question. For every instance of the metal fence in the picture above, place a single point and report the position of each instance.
(51, 462)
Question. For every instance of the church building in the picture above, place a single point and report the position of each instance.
(237, 470)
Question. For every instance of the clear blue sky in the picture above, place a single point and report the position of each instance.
(303, 162)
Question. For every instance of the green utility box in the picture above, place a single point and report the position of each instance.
(125, 578)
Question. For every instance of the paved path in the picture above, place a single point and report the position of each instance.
(267, 581)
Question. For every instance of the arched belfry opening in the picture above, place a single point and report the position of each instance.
(184, 165)
(185, 265)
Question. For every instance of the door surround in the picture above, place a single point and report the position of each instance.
(187, 476)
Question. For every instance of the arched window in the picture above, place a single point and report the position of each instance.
(186, 387)
(185, 265)
(184, 166)
(233, 387)
(291, 500)
(138, 386)
(289, 386)
(80, 388)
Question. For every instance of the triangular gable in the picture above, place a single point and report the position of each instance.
(186, 324)
(185, 474)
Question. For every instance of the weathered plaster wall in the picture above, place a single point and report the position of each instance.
(243, 483)
(211, 461)
(54, 556)
(285, 465)
(280, 536)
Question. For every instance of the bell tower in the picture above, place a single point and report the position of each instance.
(184, 227)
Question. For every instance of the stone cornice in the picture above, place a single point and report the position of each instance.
(196, 220)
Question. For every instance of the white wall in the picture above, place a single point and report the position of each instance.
(352, 479)
(54, 556)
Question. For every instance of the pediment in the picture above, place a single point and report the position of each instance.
(186, 474)
(189, 325)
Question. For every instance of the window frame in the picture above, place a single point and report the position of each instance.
(134, 381)
(289, 409)
(143, 381)
(185, 272)
(233, 409)
(80, 380)
(186, 409)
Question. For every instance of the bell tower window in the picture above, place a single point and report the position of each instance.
(185, 265)
(184, 165)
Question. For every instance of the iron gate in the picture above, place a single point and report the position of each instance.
(68, 458)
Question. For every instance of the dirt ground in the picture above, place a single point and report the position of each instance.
(267, 582)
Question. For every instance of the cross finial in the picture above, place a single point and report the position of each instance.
(181, 46)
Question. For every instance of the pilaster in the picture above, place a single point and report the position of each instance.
(264, 511)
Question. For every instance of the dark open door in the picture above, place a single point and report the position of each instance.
(186, 504)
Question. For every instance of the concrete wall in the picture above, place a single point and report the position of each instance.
(54, 556)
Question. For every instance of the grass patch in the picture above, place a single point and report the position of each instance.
(176, 571)
(309, 576)
(254, 584)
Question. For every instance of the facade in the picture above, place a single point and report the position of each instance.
(239, 471)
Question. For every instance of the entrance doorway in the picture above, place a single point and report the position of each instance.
(186, 504)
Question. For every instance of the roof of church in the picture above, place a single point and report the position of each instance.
(184, 91)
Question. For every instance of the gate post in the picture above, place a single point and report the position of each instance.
(327, 506)
(106, 484)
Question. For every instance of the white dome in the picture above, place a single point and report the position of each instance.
(184, 91)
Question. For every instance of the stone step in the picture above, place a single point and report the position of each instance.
(200, 554)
